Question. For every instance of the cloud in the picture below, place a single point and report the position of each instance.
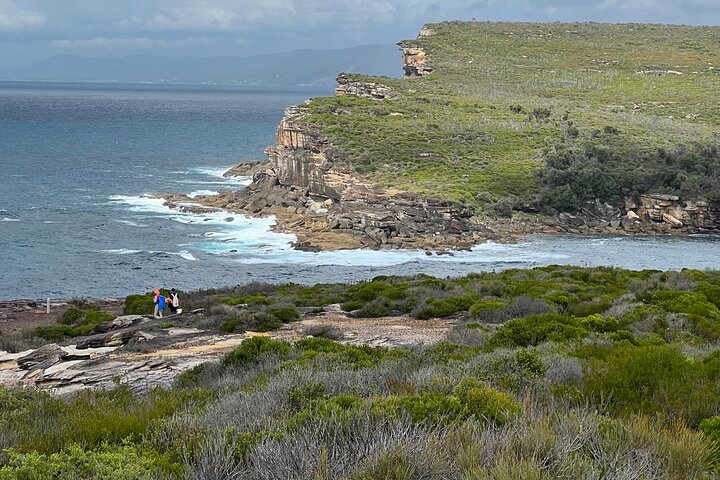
(12, 19)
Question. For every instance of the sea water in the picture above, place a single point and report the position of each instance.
(80, 163)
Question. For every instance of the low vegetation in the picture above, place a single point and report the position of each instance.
(555, 372)
(541, 117)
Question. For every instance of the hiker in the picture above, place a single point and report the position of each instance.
(159, 301)
(174, 301)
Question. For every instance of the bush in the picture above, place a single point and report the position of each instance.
(249, 351)
(445, 307)
(484, 402)
(284, 314)
(77, 320)
(139, 304)
(107, 463)
(254, 299)
(477, 308)
(536, 329)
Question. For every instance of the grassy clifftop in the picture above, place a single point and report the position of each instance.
(542, 116)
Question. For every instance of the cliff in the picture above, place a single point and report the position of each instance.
(498, 130)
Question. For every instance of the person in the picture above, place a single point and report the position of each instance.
(174, 301)
(159, 301)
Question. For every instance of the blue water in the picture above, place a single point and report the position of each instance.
(78, 163)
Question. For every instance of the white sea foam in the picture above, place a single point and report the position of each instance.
(186, 255)
(9, 219)
(141, 203)
(202, 192)
(122, 251)
(131, 223)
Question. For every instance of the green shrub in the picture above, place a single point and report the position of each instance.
(710, 427)
(284, 314)
(482, 401)
(535, 329)
(139, 304)
(231, 325)
(648, 379)
(254, 299)
(693, 303)
(446, 307)
(249, 351)
(477, 308)
(430, 408)
(318, 344)
(77, 320)
(711, 292)
(600, 324)
(352, 305)
(107, 463)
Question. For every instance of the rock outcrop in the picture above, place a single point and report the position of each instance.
(672, 210)
(415, 60)
(346, 85)
(159, 356)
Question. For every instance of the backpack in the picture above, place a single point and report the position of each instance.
(161, 301)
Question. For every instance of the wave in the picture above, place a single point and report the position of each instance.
(131, 223)
(201, 192)
(9, 219)
(122, 251)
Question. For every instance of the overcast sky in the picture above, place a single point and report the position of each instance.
(31, 30)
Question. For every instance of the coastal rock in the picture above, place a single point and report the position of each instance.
(43, 357)
(112, 339)
(119, 323)
(348, 86)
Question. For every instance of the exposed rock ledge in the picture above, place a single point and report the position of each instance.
(161, 355)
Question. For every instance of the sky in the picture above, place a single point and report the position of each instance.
(31, 30)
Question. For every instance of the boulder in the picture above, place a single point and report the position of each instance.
(669, 219)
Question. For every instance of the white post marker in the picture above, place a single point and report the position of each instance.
(48, 305)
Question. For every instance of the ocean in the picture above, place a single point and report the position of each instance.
(80, 162)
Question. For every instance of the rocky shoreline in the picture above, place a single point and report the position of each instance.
(359, 217)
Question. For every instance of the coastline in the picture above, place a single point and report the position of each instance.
(315, 224)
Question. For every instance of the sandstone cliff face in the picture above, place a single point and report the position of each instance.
(672, 210)
(415, 60)
(306, 176)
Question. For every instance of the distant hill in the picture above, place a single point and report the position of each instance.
(296, 68)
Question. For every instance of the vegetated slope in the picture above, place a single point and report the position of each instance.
(549, 373)
(542, 116)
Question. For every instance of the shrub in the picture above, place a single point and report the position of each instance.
(482, 401)
(252, 348)
(429, 408)
(77, 320)
(535, 329)
(139, 304)
(285, 314)
(445, 307)
(107, 463)
(477, 308)
(373, 309)
(254, 299)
